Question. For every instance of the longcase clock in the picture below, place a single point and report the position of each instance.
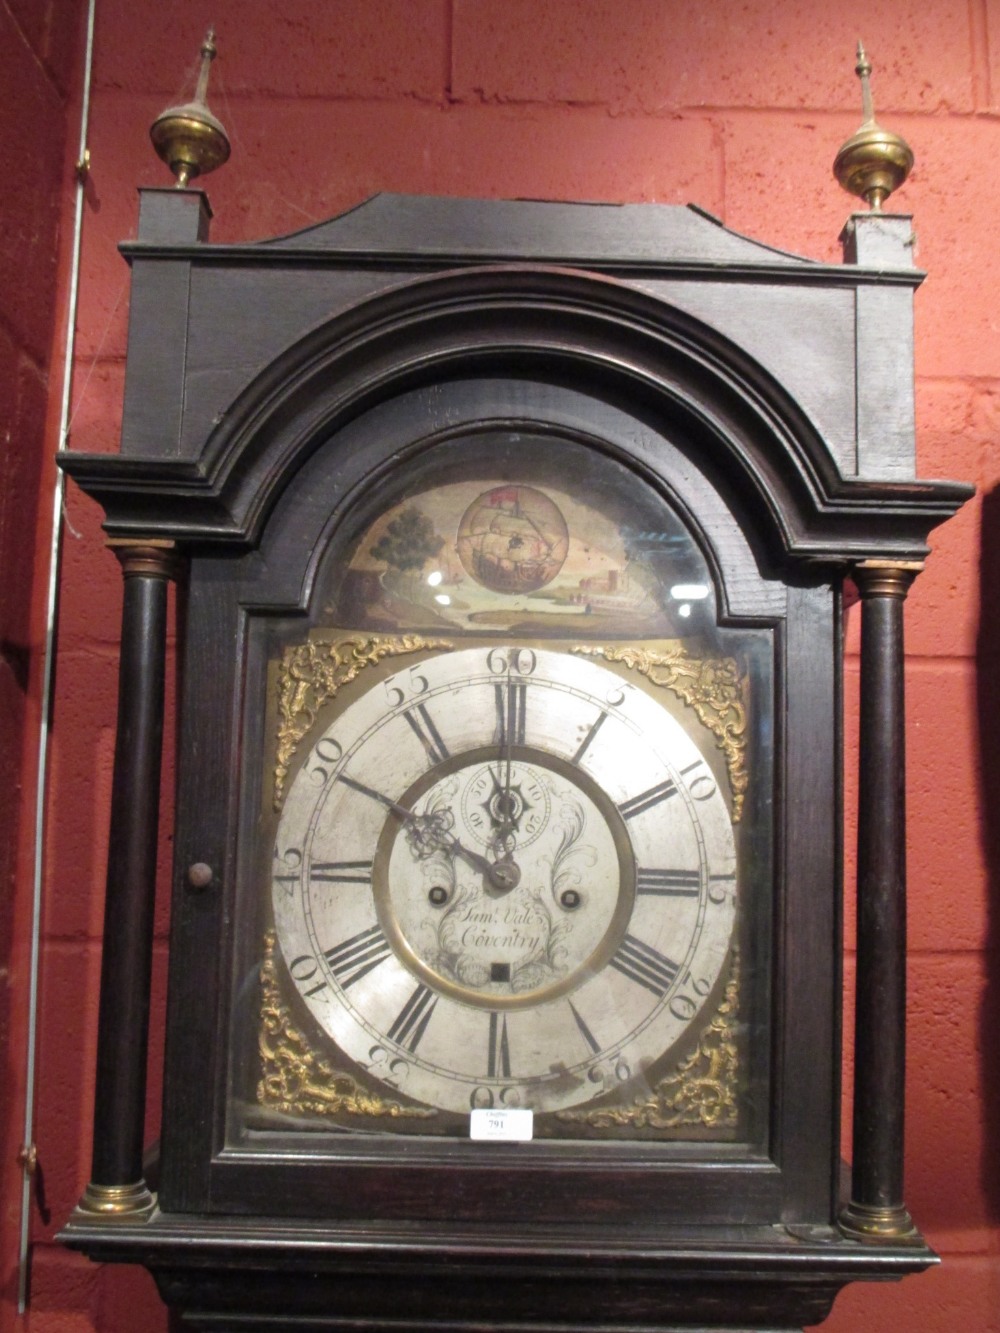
(505, 959)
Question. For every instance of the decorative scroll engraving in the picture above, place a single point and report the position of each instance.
(294, 1078)
(311, 673)
(701, 1091)
(540, 942)
(712, 686)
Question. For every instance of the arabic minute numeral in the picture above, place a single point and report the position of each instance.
(609, 1073)
(303, 971)
(683, 1006)
(701, 786)
(619, 693)
(511, 661)
(290, 865)
(412, 683)
(386, 1067)
(720, 887)
(326, 755)
(484, 1098)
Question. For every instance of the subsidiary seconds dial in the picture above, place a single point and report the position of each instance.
(505, 876)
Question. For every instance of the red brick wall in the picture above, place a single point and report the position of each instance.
(740, 106)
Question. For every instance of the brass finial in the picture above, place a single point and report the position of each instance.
(873, 162)
(188, 137)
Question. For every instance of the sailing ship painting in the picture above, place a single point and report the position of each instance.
(513, 539)
(499, 555)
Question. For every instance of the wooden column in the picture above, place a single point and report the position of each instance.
(117, 1187)
(876, 1210)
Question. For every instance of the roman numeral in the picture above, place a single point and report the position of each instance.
(645, 800)
(498, 1058)
(585, 1031)
(427, 733)
(641, 963)
(588, 738)
(356, 957)
(670, 883)
(510, 701)
(341, 872)
(412, 1020)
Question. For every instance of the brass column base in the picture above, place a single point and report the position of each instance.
(863, 1221)
(125, 1203)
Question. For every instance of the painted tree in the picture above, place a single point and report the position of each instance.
(408, 542)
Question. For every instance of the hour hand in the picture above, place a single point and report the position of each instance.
(502, 875)
(480, 863)
(427, 828)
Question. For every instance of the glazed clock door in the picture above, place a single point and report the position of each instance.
(505, 830)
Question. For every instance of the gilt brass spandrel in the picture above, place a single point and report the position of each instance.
(294, 1078)
(713, 687)
(310, 675)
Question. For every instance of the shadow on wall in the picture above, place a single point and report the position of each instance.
(988, 701)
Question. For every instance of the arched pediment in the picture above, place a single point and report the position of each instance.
(564, 326)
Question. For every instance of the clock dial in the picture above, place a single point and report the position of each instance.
(504, 876)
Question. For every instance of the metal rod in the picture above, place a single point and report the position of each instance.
(47, 675)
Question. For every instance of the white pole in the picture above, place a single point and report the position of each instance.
(28, 1150)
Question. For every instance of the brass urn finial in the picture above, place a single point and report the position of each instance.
(188, 137)
(873, 162)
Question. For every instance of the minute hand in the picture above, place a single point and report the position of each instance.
(403, 811)
(446, 841)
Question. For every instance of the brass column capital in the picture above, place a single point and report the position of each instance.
(885, 578)
(153, 557)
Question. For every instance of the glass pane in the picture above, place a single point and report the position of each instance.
(515, 823)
